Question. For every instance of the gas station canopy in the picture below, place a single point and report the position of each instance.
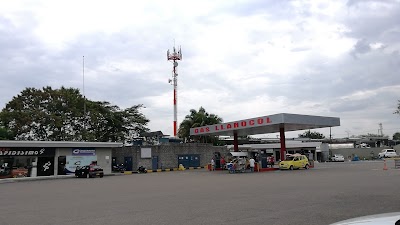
(267, 124)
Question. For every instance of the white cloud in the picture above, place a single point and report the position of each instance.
(241, 59)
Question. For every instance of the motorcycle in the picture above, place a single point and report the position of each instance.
(119, 168)
(141, 169)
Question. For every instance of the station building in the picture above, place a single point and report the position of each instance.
(46, 158)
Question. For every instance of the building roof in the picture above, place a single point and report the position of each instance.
(268, 124)
(59, 144)
(152, 134)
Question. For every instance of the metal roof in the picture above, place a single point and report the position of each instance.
(268, 124)
(59, 144)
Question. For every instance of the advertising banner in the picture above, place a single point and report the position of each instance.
(82, 160)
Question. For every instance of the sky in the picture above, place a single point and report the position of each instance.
(241, 59)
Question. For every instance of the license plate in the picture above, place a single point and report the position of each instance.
(97, 174)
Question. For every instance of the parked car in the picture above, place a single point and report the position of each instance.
(378, 219)
(385, 153)
(295, 161)
(337, 158)
(89, 171)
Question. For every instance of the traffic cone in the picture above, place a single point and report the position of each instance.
(384, 165)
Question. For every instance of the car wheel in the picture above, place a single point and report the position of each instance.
(101, 176)
(291, 168)
(306, 167)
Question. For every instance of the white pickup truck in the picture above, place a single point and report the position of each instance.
(386, 153)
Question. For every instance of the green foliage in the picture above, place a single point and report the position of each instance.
(396, 136)
(5, 134)
(198, 119)
(398, 108)
(58, 115)
(312, 135)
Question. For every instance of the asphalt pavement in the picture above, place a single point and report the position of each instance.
(326, 194)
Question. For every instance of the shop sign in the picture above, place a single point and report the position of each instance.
(255, 122)
(80, 151)
(27, 151)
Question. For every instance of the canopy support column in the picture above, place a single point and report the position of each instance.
(283, 143)
(235, 142)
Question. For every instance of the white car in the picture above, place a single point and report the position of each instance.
(385, 153)
(379, 219)
(337, 158)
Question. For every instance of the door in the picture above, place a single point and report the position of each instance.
(194, 161)
(297, 162)
(62, 160)
(154, 162)
(128, 163)
(184, 160)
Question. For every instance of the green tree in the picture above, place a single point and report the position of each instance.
(198, 119)
(58, 115)
(398, 108)
(312, 135)
(5, 134)
(396, 136)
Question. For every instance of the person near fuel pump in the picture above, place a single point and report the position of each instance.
(252, 164)
(271, 161)
(222, 162)
(212, 164)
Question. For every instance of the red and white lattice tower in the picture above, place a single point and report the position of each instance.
(174, 57)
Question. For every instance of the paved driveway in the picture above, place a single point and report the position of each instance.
(326, 194)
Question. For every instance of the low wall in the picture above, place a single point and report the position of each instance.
(168, 154)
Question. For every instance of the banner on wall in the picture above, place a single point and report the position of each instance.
(78, 160)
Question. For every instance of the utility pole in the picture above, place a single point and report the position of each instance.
(175, 56)
(84, 99)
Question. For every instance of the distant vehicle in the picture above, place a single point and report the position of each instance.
(89, 171)
(378, 219)
(295, 161)
(363, 145)
(337, 158)
(142, 169)
(386, 153)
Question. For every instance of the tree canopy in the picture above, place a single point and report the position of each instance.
(198, 119)
(311, 135)
(398, 108)
(5, 134)
(58, 115)
(396, 136)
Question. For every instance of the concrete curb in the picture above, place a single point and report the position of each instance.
(174, 169)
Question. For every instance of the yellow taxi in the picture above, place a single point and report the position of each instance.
(295, 161)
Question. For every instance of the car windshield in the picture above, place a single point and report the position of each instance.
(289, 158)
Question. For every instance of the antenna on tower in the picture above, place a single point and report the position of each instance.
(174, 57)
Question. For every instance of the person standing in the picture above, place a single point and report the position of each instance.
(222, 162)
(252, 163)
(212, 164)
(272, 161)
